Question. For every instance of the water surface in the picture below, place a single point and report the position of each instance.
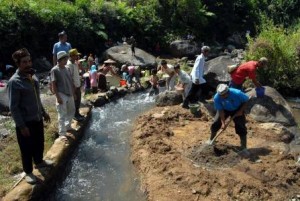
(101, 167)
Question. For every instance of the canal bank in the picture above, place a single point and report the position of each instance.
(101, 169)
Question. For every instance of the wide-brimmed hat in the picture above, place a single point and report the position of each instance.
(109, 61)
(62, 54)
(222, 89)
(74, 52)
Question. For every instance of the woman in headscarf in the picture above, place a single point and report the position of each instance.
(94, 79)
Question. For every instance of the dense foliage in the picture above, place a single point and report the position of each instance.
(281, 46)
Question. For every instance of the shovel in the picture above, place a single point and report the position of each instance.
(221, 131)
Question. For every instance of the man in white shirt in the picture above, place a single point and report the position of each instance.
(197, 77)
(74, 70)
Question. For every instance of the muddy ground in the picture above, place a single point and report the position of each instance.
(174, 163)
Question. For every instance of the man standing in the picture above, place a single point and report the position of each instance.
(245, 70)
(28, 113)
(74, 70)
(63, 89)
(132, 45)
(230, 102)
(197, 77)
(61, 45)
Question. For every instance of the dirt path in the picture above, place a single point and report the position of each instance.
(175, 164)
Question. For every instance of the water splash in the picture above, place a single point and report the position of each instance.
(101, 168)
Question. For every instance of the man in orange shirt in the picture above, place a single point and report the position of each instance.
(245, 70)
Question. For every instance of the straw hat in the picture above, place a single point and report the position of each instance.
(109, 61)
(74, 52)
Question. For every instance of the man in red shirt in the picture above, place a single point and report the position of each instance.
(245, 70)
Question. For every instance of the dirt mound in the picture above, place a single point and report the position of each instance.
(169, 151)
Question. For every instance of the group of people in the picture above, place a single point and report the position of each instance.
(26, 106)
(191, 85)
(228, 101)
(65, 83)
(29, 114)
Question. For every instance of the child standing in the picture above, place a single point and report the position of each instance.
(154, 83)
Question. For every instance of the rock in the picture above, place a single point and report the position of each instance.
(122, 91)
(122, 54)
(272, 107)
(3, 133)
(184, 48)
(281, 133)
(168, 98)
(216, 70)
(100, 101)
(42, 65)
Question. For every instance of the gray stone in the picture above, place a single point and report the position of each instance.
(168, 98)
(184, 48)
(122, 54)
(215, 70)
(272, 107)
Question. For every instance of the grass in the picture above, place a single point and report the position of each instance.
(10, 158)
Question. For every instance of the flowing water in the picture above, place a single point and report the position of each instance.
(101, 167)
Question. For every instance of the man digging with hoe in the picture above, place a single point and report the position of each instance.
(230, 102)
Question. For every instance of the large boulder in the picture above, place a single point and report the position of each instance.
(184, 48)
(122, 54)
(272, 107)
(168, 98)
(215, 70)
(42, 65)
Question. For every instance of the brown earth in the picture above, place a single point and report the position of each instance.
(174, 162)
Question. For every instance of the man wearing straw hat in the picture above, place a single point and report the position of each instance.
(103, 70)
(230, 102)
(74, 70)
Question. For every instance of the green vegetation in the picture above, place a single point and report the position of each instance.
(281, 47)
(274, 26)
(10, 158)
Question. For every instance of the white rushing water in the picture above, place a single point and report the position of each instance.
(101, 167)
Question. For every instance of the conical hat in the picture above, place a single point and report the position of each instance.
(109, 61)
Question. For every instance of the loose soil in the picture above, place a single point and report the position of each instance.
(174, 163)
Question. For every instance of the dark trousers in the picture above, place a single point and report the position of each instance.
(193, 94)
(31, 147)
(102, 84)
(78, 100)
(239, 123)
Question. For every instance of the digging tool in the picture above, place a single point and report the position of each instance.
(221, 131)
